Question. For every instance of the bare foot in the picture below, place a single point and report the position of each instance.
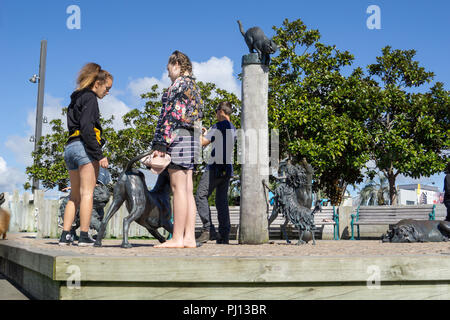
(170, 244)
(190, 244)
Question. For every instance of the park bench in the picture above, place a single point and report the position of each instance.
(328, 216)
(390, 215)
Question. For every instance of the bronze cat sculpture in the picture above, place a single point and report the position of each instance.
(257, 41)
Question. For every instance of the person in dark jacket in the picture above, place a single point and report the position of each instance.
(83, 152)
(217, 176)
(447, 191)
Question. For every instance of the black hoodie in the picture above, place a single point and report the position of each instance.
(83, 121)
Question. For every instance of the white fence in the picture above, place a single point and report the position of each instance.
(33, 213)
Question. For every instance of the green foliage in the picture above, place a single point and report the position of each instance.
(375, 193)
(319, 113)
(49, 165)
(409, 131)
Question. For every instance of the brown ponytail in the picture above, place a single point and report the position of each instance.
(183, 60)
(91, 73)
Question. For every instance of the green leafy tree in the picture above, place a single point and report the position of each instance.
(375, 193)
(409, 131)
(48, 161)
(319, 112)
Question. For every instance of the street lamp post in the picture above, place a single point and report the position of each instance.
(40, 101)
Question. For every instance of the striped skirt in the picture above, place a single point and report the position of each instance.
(184, 151)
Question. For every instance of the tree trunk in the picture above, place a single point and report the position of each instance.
(392, 190)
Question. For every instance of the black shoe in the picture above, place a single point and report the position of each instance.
(223, 239)
(74, 236)
(66, 239)
(85, 240)
(204, 237)
(213, 236)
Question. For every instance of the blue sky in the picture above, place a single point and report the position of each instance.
(133, 39)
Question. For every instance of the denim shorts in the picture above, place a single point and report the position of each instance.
(75, 155)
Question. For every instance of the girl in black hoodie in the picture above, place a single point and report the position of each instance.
(83, 153)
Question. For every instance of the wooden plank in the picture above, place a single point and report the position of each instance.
(35, 284)
(392, 214)
(255, 269)
(53, 230)
(41, 215)
(312, 291)
(14, 223)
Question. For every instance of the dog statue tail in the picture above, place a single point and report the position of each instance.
(137, 158)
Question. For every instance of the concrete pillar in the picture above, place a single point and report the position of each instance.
(254, 142)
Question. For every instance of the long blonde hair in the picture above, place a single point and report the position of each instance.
(91, 73)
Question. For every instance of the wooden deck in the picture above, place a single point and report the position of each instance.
(46, 271)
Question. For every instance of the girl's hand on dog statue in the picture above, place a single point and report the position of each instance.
(157, 153)
(104, 163)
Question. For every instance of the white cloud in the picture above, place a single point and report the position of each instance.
(143, 85)
(10, 178)
(216, 70)
(112, 106)
(52, 110)
(21, 147)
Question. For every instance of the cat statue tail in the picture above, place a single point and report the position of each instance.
(241, 28)
(137, 158)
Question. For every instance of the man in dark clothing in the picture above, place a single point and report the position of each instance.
(447, 191)
(217, 176)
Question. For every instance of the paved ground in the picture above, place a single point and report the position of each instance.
(272, 249)
(8, 291)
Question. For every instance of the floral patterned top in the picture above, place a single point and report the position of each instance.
(182, 107)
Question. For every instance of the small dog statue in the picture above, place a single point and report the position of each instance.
(4, 218)
(409, 230)
(257, 41)
(293, 199)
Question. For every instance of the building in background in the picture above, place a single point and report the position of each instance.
(414, 194)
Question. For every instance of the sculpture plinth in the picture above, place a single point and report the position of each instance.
(255, 151)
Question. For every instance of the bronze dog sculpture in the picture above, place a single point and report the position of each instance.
(101, 199)
(409, 230)
(293, 199)
(150, 209)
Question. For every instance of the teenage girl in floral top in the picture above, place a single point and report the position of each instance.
(180, 115)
